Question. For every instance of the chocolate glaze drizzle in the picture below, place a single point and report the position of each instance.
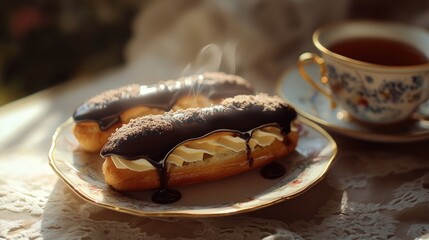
(273, 170)
(154, 137)
(106, 107)
(247, 136)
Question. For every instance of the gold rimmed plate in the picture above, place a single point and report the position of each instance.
(312, 105)
(81, 171)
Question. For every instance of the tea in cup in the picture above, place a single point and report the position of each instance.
(378, 72)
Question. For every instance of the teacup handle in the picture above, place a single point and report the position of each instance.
(307, 58)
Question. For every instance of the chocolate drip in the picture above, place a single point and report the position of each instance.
(106, 107)
(155, 137)
(247, 136)
(273, 170)
(164, 195)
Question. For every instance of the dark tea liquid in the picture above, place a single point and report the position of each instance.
(379, 51)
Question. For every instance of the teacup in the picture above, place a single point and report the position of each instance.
(378, 72)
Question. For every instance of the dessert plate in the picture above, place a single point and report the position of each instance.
(313, 105)
(306, 166)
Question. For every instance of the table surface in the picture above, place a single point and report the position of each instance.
(374, 190)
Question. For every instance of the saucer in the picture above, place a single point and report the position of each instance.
(311, 104)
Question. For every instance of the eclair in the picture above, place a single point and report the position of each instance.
(198, 144)
(97, 118)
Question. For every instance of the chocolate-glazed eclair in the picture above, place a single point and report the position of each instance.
(198, 144)
(97, 118)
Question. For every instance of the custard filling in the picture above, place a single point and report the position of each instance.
(197, 150)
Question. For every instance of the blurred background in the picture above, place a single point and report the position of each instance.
(44, 42)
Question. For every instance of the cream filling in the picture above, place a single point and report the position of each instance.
(194, 151)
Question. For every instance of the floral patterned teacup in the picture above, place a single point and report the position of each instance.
(382, 89)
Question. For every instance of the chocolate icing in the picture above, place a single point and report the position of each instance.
(106, 107)
(153, 137)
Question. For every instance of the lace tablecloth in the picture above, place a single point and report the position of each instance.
(373, 191)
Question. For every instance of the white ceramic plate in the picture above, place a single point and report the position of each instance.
(316, 107)
(250, 191)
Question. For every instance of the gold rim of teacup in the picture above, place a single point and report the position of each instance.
(325, 50)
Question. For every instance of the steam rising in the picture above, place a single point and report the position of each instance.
(214, 58)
